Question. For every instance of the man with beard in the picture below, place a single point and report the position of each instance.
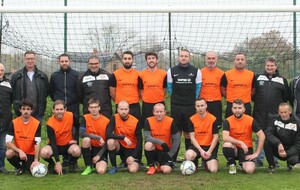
(211, 86)
(238, 83)
(61, 140)
(95, 84)
(124, 136)
(154, 84)
(125, 84)
(63, 86)
(23, 139)
(237, 137)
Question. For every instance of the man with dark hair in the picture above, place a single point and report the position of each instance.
(125, 85)
(63, 86)
(93, 146)
(23, 139)
(5, 114)
(184, 84)
(237, 137)
(124, 135)
(30, 83)
(61, 139)
(154, 84)
(204, 134)
(162, 140)
(95, 84)
(271, 89)
(238, 83)
(283, 136)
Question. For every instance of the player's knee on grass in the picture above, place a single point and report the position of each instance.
(248, 167)
(166, 169)
(101, 167)
(212, 166)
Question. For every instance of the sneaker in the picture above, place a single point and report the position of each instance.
(289, 168)
(180, 159)
(142, 165)
(3, 170)
(113, 170)
(87, 170)
(18, 171)
(296, 166)
(151, 170)
(72, 168)
(158, 169)
(271, 170)
(232, 169)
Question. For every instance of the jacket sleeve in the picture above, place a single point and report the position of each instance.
(270, 134)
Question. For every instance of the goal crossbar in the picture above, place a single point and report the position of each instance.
(149, 9)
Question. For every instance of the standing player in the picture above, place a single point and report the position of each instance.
(5, 114)
(271, 89)
(162, 140)
(23, 139)
(61, 139)
(93, 147)
(238, 83)
(204, 134)
(125, 85)
(30, 83)
(211, 86)
(124, 135)
(95, 84)
(184, 84)
(63, 86)
(237, 137)
(154, 84)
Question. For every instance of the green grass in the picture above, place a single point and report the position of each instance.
(282, 179)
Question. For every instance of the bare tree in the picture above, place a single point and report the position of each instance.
(111, 38)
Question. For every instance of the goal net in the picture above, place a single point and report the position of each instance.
(258, 34)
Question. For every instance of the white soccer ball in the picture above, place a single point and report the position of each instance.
(39, 170)
(187, 167)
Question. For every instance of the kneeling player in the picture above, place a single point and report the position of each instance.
(61, 141)
(237, 136)
(93, 146)
(124, 135)
(204, 134)
(162, 140)
(23, 140)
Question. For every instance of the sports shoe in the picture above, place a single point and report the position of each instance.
(113, 170)
(271, 170)
(232, 169)
(3, 170)
(18, 171)
(289, 168)
(151, 170)
(87, 171)
(72, 168)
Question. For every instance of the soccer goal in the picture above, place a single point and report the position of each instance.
(108, 28)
